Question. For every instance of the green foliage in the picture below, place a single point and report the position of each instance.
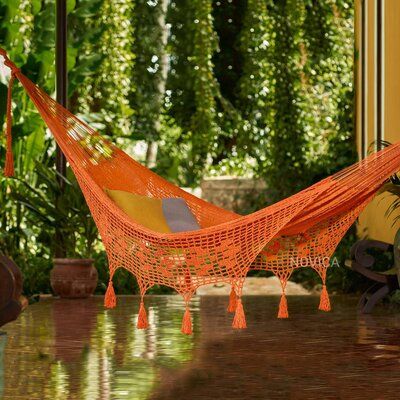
(274, 99)
(256, 81)
(31, 50)
(49, 208)
(286, 165)
(82, 63)
(148, 75)
(104, 94)
(192, 85)
(203, 121)
(329, 85)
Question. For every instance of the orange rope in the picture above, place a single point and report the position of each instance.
(9, 166)
(283, 308)
(186, 327)
(110, 300)
(324, 303)
(142, 322)
(239, 320)
(232, 301)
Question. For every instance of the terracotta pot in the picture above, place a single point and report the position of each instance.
(73, 278)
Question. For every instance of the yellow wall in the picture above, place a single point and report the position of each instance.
(373, 222)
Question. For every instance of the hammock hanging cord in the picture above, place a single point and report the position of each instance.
(9, 165)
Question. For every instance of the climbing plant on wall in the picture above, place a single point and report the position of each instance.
(285, 168)
(83, 64)
(151, 67)
(192, 86)
(256, 87)
(203, 122)
(104, 95)
(328, 84)
(227, 155)
(281, 90)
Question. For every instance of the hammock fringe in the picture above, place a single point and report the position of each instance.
(239, 320)
(324, 302)
(142, 322)
(186, 327)
(232, 301)
(283, 307)
(110, 300)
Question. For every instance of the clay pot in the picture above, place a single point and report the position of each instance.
(73, 278)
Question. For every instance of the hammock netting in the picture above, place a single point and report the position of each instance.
(300, 231)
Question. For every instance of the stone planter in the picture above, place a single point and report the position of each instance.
(231, 193)
(73, 278)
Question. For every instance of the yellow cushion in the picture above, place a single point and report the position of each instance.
(146, 211)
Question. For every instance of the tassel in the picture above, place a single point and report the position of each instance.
(324, 303)
(239, 320)
(9, 167)
(232, 301)
(283, 308)
(110, 301)
(142, 322)
(187, 323)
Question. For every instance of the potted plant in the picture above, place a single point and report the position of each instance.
(64, 210)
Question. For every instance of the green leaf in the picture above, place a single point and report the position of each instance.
(72, 53)
(71, 4)
(36, 6)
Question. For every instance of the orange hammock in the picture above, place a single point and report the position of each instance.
(300, 231)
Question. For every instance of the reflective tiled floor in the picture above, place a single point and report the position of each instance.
(76, 349)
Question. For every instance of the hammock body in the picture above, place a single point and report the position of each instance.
(300, 231)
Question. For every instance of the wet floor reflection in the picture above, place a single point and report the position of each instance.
(74, 349)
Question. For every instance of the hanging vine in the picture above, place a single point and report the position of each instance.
(105, 96)
(83, 64)
(150, 73)
(328, 84)
(203, 121)
(192, 87)
(286, 169)
(256, 82)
